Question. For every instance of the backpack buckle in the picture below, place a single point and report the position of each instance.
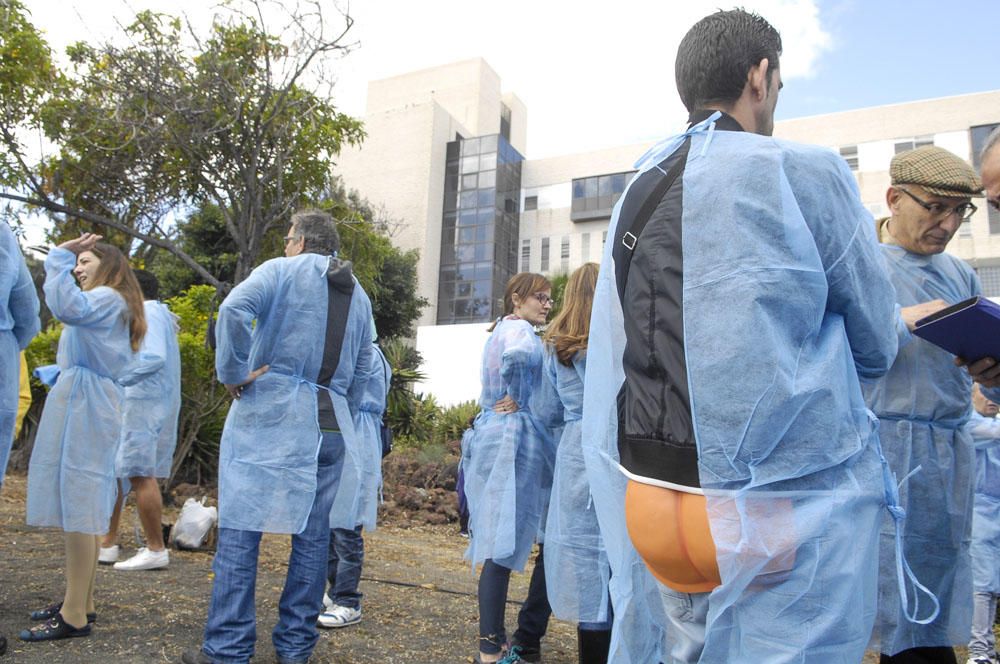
(629, 240)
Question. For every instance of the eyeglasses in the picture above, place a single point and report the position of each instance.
(543, 299)
(939, 211)
(291, 238)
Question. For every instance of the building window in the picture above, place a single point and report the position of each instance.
(977, 138)
(593, 197)
(564, 255)
(505, 121)
(850, 155)
(585, 248)
(545, 255)
(989, 277)
(525, 255)
(913, 143)
(530, 203)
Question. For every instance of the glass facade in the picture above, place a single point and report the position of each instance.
(479, 229)
(594, 197)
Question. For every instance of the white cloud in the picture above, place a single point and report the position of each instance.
(592, 74)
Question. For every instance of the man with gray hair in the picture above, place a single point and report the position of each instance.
(922, 405)
(294, 338)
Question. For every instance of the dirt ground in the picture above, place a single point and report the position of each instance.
(419, 603)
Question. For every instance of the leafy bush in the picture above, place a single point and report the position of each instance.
(452, 422)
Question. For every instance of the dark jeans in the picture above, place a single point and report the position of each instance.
(532, 619)
(937, 655)
(343, 570)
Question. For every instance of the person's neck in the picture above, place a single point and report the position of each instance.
(738, 112)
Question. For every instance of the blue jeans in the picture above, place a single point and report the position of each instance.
(687, 614)
(343, 571)
(231, 629)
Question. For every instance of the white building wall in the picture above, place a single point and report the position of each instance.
(452, 356)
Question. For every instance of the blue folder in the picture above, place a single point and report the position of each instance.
(969, 329)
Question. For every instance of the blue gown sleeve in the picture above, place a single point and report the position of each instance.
(152, 356)
(23, 300)
(985, 431)
(546, 404)
(522, 352)
(67, 301)
(234, 328)
(859, 286)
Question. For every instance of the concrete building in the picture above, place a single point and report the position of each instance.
(446, 156)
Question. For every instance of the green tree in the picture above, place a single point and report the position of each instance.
(26, 75)
(243, 122)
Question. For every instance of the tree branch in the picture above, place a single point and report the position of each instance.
(103, 221)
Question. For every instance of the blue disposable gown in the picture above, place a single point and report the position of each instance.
(781, 317)
(71, 475)
(576, 564)
(985, 548)
(358, 493)
(152, 399)
(923, 404)
(270, 444)
(507, 461)
(18, 325)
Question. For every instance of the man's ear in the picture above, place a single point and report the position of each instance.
(892, 197)
(757, 79)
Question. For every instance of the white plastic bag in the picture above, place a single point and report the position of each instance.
(194, 524)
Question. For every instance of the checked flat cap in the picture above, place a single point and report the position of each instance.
(938, 171)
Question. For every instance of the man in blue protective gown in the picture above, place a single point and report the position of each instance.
(923, 404)
(18, 325)
(293, 339)
(741, 300)
(984, 428)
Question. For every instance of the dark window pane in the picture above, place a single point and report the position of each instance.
(604, 185)
(467, 218)
(531, 203)
(618, 183)
(447, 254)
(452, 151)
(590, 187)
(450, 182)
(464, 289)
(449, 201)
(578, 189)
(487, 197)
(486, 215)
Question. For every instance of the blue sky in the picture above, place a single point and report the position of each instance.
(885, 52)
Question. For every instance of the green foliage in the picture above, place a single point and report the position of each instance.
(26, 76)
(42, 349)
(452, 422)
(558, 289)
(204, 402)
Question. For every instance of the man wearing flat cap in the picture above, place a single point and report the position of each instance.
(922, 405)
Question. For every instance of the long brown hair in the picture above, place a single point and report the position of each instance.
(525, 284)
(570, 329)
(114, 272)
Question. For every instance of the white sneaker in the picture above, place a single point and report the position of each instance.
(145, 559)
(339, 616)
(981, 659)
(108, 555)
(327, 602)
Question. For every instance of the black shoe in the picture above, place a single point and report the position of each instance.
(50, 612)
(56, 628)
(196, 656)
(3, 645)
(593, 645)
(523, 653)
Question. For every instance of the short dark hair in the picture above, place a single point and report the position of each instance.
(148, 284)
(319, 231)
(718, 52)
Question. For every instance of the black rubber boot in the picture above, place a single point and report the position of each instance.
(593, 645)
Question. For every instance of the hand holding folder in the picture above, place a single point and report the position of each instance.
(969, 330)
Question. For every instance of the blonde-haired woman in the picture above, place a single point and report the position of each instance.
(576, 564)
(71, 475)
(507, 462)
